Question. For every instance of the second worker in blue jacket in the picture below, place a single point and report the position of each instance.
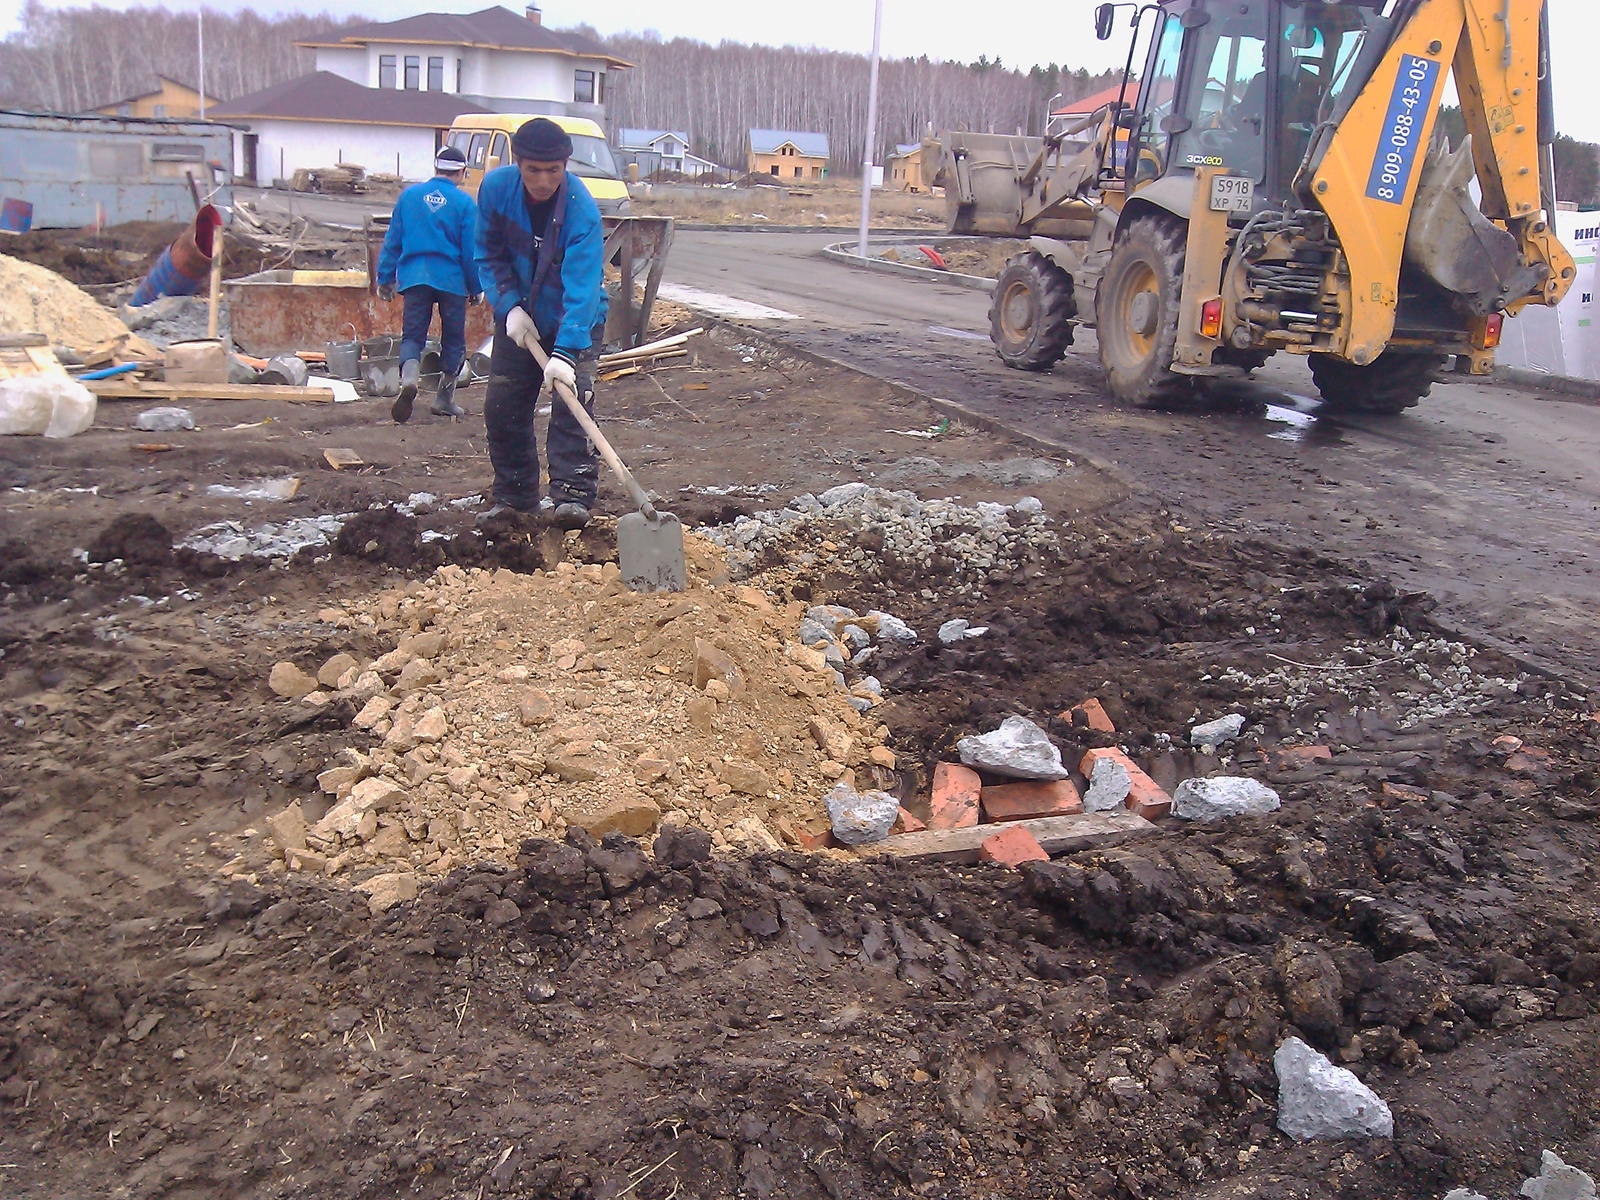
(428, 252)
(540, 252)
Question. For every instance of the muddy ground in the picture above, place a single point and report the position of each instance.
(179, 1017)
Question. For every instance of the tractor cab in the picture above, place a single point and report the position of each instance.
(1241, 85)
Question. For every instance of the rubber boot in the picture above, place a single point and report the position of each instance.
(444, 404)
(410, 371)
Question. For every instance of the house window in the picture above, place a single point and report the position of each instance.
(816, 172)
(413, 73)
(583, 87)
(774, 168)
(436, 74)
(799, 171)
(600, 88)
(459, 68)
(386, 71)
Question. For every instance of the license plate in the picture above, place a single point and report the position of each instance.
(1232, 193)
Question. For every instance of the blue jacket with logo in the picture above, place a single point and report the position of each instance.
(431, 239)
(571, 304)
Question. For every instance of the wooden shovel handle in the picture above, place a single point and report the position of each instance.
(579, 414)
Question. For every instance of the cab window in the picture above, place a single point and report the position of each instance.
(1226, 106)
(1156, 98)
(478, 151)
(501, 150)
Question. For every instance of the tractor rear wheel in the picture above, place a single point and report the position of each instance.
(1030, 317)
(1136, 310)
(1387, 386)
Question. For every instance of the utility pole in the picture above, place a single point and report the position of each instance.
(872, 133)
(200, 29)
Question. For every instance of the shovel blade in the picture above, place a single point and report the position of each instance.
(650, 554)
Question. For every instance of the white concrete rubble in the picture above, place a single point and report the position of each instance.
(1019, 749)
(1319, 1101)
(1222, 796)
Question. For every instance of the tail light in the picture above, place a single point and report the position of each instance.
(1211, 319)
(1492, 326)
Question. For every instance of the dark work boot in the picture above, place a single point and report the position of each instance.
(409, 372)
(444, 404)
(570, 514)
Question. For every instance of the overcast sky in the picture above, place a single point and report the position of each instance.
(1020, 34)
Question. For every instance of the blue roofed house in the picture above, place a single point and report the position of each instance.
(789, 155)
(658, 150)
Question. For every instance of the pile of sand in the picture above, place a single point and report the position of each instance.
(515, 705)
(34, 299)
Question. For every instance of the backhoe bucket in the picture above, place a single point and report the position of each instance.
(1456, 246)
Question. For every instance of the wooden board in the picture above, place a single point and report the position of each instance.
(339, 459)
(117, 389)
(1058, 835)
(28, 358)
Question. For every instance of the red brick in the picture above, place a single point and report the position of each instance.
(908, 823)
(1144, 797)
(1295, 758)
(1403, 792)
(1022, 801)
(955, 797)
(1094, 714)
(1012, 847)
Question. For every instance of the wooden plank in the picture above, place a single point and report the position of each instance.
(117, 389)
(339, 459)
(1058, 835)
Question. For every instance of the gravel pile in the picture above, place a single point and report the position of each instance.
(984, 543)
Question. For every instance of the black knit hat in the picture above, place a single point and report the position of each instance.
(541, 140)
(449, 160)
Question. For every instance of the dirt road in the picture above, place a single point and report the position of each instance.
(1487, 498)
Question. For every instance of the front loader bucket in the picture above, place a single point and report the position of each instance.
(983, 175)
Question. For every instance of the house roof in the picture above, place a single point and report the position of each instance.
(324, 96)
(901, 149)
(767, 141)
(1087, 105)
(155, 91)
(494, 28)
(643, 139)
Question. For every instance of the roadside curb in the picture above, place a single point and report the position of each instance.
(950, 408)
(1524, 379)
(837, 252)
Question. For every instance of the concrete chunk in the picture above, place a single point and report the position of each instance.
(860, 818)
(1222, 796)
(1557, 1181)
(1319, 1101)
(1218, 732)
(1019, 749)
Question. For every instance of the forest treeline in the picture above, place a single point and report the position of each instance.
(76, 59)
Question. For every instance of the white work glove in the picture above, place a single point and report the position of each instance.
(559, 370)
(520, 328)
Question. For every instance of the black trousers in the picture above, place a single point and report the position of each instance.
(508, 409)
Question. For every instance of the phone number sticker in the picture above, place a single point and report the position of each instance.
(1409, 106)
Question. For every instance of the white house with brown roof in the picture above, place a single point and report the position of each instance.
(494, 57)
(383, 95)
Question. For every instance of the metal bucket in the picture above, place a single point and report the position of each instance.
(383, 346)
(344, 358)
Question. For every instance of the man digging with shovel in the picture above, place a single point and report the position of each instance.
(540, 250)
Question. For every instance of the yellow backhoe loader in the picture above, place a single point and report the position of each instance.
(1271, 181)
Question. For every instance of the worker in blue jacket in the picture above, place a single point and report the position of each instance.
(429, 252)
(540, 251)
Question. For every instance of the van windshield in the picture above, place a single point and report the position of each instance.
(591, 158)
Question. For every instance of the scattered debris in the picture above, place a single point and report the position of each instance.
(1019, 749)
(164, 420)
(1319, 1101)
(1216, 733)
(1109, 785)
(339, 459)
(860, 818)
(267, 489)
(1222, 796)
(1557, 1181)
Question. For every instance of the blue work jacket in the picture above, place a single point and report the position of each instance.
(431, 239)
(570, 309)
